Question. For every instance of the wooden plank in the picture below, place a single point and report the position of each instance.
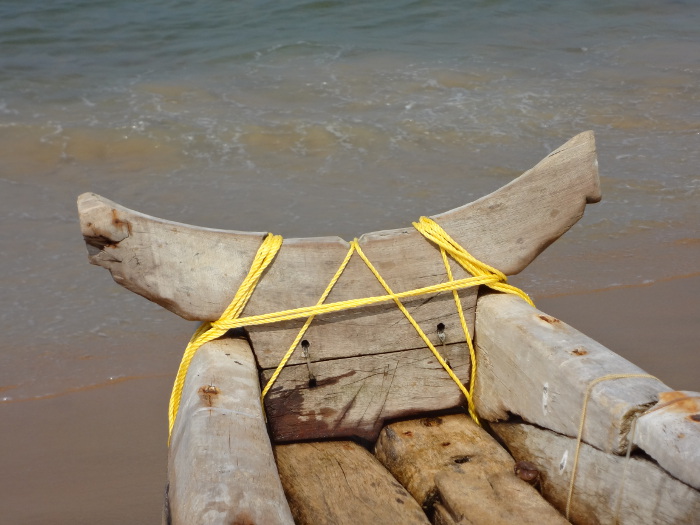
(194, 272)
(340, 483)
(459, 473)
(537, 367)
(354, 396)
(670, 433)
(649, 494)
(221, 468)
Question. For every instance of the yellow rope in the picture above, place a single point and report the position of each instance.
(497, 280)
(582, 422)
(301, 333)
(482, 274)
(468, 338)
(327, 308)
(421, 333)
(210, 331)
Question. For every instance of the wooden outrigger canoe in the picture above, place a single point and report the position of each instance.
(367, 382)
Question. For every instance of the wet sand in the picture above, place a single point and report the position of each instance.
(92, 456)
(99, 455)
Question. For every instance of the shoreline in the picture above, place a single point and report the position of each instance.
(99, 455)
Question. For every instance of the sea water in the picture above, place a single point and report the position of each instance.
(313, 118)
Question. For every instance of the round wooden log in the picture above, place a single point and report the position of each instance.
(649, 495)
(535, 366)
(221, 468)
(340, 483)
(460, 474)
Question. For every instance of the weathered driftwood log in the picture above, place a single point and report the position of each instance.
(195, 272)
(539, 368)
(460, 474)
(649, 495)
(340, 483)
(670, 433)
(221, 468)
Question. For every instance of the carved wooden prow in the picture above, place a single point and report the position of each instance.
(369, 364)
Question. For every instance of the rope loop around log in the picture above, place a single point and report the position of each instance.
(481, 274)
(579, 438)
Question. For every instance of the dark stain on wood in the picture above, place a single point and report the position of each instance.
(694, 417)
(243, 519)
(334, 379)
(549, 319)
(119, 223)
(208, 394)
(678, 402)
(461, 459)
(579, 351)
(526, 471)
(99, 241)
(432, 421)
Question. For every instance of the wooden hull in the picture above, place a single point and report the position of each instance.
(376, 385)
(435, 458)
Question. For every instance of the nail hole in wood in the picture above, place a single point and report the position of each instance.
(441, 333)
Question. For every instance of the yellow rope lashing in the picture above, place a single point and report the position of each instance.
(301, 333)
(210, 331)
(481, 274)
(495, 279)
(421, 333)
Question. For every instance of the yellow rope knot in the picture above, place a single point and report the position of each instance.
(481, 274)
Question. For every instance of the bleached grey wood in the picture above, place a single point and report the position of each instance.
(221, 468)
(670, 433)
(195, 272)
(354, 396)
(340, 483)
(458, 472)
(537, 367)
(649, 494)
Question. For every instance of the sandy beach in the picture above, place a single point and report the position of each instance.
(99, 455)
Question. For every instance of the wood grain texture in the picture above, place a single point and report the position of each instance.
(221, 468)
(354, 396)
(459, 473)
(649, 494)
(537, 367)
(195, 272)
(340, 483)
(670, 433)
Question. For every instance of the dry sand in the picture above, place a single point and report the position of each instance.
(99, 455)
